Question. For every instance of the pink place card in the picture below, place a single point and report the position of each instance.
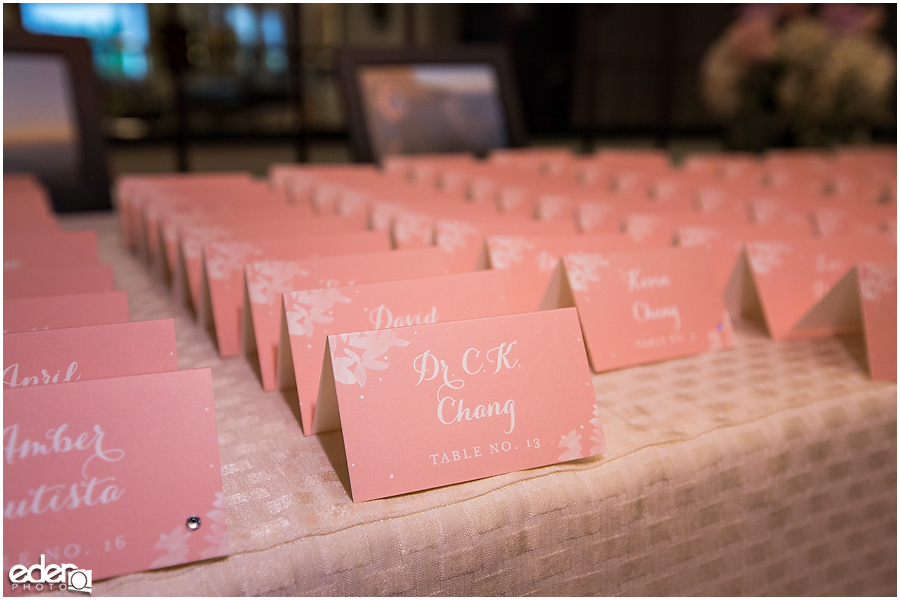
(26, 203)
(599, 216)
(94, 352)
(864, 300)
(546, 161)
(171, 224)
(49, 249)
(459, 401)
(135, 192)
(850, 218)
(530, 263)
(411, 229)
(255, 203)
(112, 475)
(175, 201)
(657, 228)
(69, 310)
(726, 242)
(182, 235)
(266, 281)
(878, 295)
(222, 286)
(789, 277)
(723, 201)
(321, 185)
(514, 196)
(782, 210)
(20, 189)
(309, 316)
(424, 169)
(538, 196)
(51, 281)
(647, 305)
(192, 239)
(412, 223)
(675, 191)
(27, 217)
(465, 239)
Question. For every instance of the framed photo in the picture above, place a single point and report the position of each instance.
(51, 119)
(412, 101)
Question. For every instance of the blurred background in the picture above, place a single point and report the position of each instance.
(239, 86)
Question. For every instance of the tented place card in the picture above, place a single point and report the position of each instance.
(790, 276)
(432, 405)
(725, 242)
(68, 310)
(530, 262)
(184, 244)
(113, 475)
(309, 316)
(82, 279)
(878, 294)
(82, 353)
(465, 239)
(54, 249)
(647, 305)
(222, 287)
(265, 282)
(865, 300)
(235, 221)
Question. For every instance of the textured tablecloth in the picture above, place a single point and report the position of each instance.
(770, 468)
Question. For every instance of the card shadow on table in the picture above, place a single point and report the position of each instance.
(331, 442)
(253, 360)
(855, 346)
(293, 402)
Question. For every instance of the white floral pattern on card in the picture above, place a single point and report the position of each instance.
(267, 280)
(663, 190)
(179, 222)
(875, 280)
(175, 546)
(598, 438)
(766, 256)
(479, 187)
(592, 214)
(217, 530)
(195, 237)
(351, 203)
(351, 368)
(697, 236)
(311, 307)
(546, 262)
(507, 249)
(709, 200)
(583, 269)
(230, 257)
(765, 211)
(550, 207)
(640, 227)
(829, 220)
(455, 234)
(325, 195)
(511, 199)
(382, 214)
(408, 227)
(572, 444)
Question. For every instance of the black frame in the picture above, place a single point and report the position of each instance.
(351, 59)
(93, 193)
